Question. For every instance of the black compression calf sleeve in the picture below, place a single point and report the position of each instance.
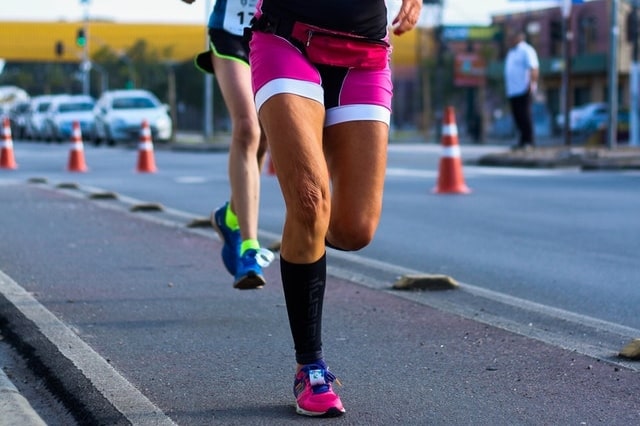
(304, 286)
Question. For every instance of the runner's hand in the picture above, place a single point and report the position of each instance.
(407, 16)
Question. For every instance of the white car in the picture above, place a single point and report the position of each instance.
(119, 115)
(9, 96)
(63, 112)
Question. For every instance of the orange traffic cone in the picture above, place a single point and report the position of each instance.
(146, 159)
(7, 160)
(450, 178)
(76, 153)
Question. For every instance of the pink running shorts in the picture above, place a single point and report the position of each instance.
(277, 66)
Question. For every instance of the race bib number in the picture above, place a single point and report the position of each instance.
(238, 15)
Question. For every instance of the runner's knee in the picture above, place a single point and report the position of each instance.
(246, 132)
(351, 235)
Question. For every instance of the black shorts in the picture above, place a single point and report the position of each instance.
(223, 45)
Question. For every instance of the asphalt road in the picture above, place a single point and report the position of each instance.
(552, 237)
(146, 324)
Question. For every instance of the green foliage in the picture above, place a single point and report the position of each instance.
(138, 66)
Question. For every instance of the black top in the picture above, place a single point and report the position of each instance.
(363, 17)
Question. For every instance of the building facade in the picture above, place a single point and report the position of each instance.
(589, 51)
(432, 67)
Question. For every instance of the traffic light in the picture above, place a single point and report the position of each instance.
(81, 38)
(59, 48)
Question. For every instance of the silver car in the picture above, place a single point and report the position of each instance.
(35, 118)
(119, 115)
(63, 112)
(18, 118)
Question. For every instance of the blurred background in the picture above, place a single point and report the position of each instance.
(454, 57)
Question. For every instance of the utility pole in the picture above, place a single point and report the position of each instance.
(566, 71)
(613, 75)
(634, 106)
(208, 84)
(171, 96)
(85, 65)
(439, 71)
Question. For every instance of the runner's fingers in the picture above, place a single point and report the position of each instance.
(407, 16)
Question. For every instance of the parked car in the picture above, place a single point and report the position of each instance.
(600, 121)
(119, 115)
(9, 96)
(35, 117)
(580, 117)
(63, 112)
(18, 114)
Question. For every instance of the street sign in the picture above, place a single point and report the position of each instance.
(547, 1)
(469, 70)
(466, 32)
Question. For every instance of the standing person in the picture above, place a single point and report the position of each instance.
(322, 86)
(521, 78)
(236, 221)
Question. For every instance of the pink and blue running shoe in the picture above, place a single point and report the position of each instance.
(314, 394)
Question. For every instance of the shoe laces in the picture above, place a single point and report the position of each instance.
(264, 257)
(320, 378)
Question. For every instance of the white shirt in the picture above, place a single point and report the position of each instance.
(521, 59)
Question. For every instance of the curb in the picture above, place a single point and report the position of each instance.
(79, 376)
(623, 159)
(14, 408)
(198, 147)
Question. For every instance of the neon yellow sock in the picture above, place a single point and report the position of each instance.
(230, 219)
(249, 244)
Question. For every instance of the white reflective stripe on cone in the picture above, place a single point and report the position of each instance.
(146, 146)
(451, 151)
(450, 130)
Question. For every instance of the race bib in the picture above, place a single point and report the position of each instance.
(238, 15)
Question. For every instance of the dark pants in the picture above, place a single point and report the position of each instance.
(521, 110)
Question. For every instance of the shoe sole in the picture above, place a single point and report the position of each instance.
(331, 412)
(216, 228)
(249, 282)
(218, 231)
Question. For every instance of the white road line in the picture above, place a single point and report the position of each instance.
(493, 295)
(413, 173)
(563, 341)
(190, 179)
